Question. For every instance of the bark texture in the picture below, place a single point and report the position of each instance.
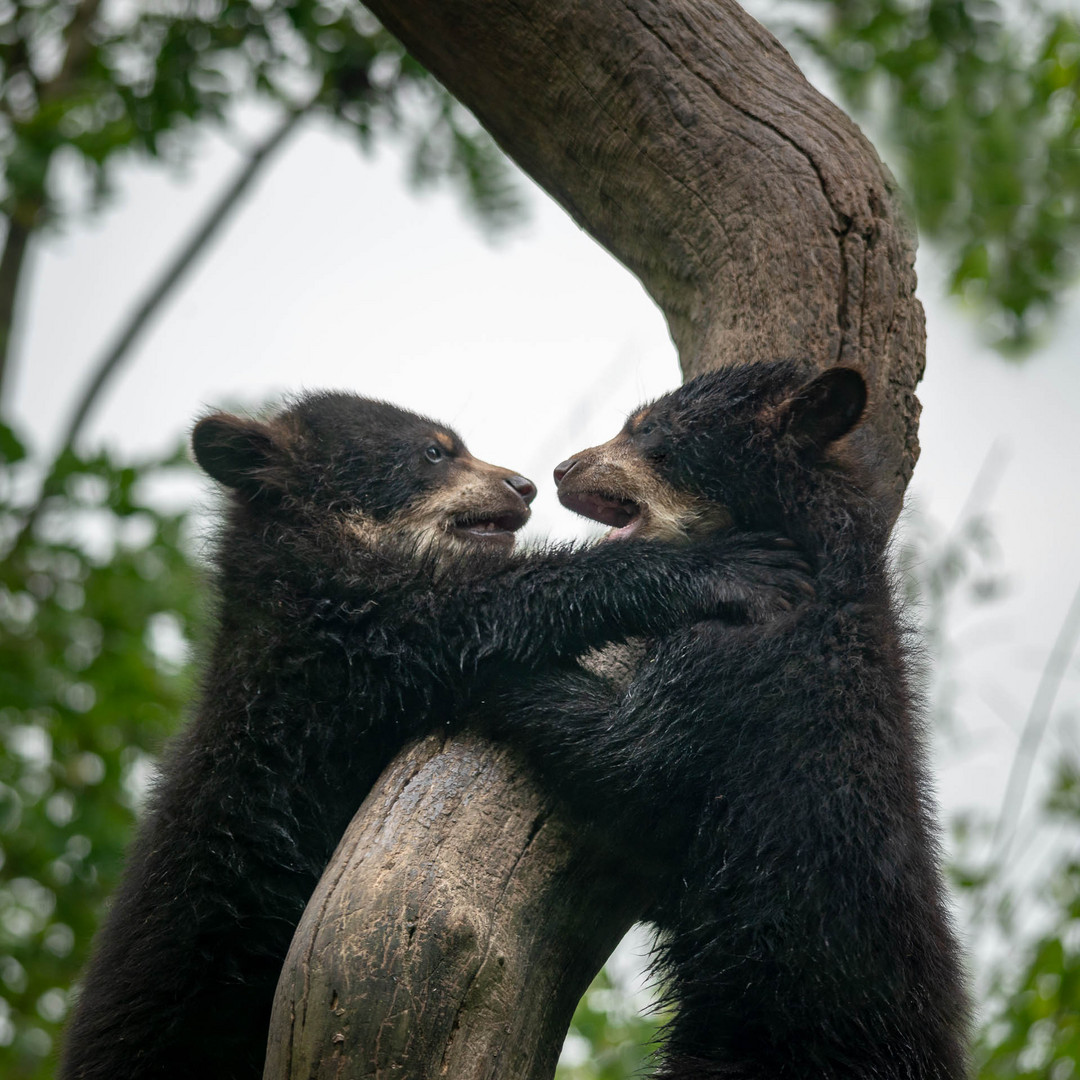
(457, 932)
(449, 951)
(682, 136)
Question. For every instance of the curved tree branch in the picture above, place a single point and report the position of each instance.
(431, 949)
(683, 137)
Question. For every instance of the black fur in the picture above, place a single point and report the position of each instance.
(353, 609)
(777, 770)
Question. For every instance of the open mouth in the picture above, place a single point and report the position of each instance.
(622, 515)
(490, 529)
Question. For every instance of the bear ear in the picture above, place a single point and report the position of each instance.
(826, 408)
(236, 452)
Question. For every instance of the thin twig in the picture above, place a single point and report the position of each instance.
(110, 361)
(1035, 726)
(26, 214)
(174, 272)
(983, 487)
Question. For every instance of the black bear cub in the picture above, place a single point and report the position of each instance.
(366, 575)
(778, 768)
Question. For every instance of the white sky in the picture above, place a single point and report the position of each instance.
(332, 275)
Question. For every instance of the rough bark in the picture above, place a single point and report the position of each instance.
(682, 136)
(463, 959)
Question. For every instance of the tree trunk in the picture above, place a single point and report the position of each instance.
(682, 136)
(432, 949)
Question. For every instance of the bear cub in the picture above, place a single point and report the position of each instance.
(775, 770)
(366, 573)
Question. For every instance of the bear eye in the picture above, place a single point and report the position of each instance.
(647, 428)
(434, 454)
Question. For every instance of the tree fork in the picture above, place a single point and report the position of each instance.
(681, 136)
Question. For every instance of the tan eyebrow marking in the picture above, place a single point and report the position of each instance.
(637, 417)
(444, 440)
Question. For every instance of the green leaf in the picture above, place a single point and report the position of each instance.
(11, 449)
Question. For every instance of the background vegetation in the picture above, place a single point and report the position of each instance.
(99, 591)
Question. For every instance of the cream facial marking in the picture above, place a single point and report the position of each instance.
(476, 506)
(613, 484)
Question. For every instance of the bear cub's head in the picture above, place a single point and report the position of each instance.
(341, 463)
(750, 447)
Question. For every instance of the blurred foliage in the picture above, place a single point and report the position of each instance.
(611, 1037)
(982, 116)
(1030, 1003)
(95, 605)
(1023, 932)
(99, 81)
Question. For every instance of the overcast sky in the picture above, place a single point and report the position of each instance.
(333, 275)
